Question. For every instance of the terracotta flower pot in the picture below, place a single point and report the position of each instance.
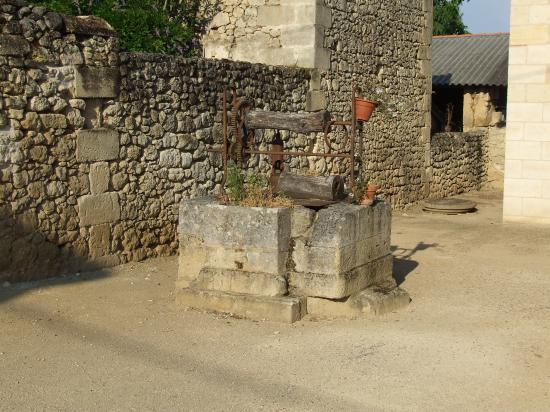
(373, 188)
(370, 194)
(364, 109)
(366, 201)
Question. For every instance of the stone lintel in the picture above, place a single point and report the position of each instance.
(96, 145)
(98, 209)
(96, 82)
(11, 45)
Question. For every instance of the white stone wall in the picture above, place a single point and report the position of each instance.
(275, 32)
(527, 175)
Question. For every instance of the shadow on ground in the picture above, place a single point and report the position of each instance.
(212, 373)
(31, 258)
(403, 264)
(11, 291)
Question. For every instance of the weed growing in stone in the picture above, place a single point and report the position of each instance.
(252, 190)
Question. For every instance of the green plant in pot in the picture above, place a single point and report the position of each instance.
(364, 192)
(369, 98)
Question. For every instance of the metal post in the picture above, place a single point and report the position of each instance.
(225, 139)
(353, 135)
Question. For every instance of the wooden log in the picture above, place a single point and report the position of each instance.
(312, 187)
(294, 122)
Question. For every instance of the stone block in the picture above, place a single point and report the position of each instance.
(235, 227)
(170, 158)
(100, 240)
(341, 285)
(539, 131)
(239, 281)
(11, 45)
(98, 209)
(536, 207)
(367, 303)
(525, 112)
(301, 221)
(323, 16)
(316, 100)
(97, 145)
(96, 82)
(228, 246)
(99, 178)
(246, 259)
(527, 73)
(523, 150)
(537, 93)
(276, 309)
(299, 35)
(53, 121)
(529, 34)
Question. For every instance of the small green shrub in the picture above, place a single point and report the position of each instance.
(235, 184)
(252, 192)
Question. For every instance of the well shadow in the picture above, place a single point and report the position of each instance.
(403, 264)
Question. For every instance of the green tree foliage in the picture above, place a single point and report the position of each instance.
(448, 18)
(159, 26)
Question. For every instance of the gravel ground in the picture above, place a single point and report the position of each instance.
(476, 336)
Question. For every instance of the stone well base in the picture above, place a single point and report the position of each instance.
(279, 264)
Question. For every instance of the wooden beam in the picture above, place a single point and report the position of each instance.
(294, 122)
(312, 187)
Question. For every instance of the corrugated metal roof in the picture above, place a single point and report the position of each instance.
(470, 60)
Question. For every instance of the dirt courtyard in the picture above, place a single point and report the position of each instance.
(475, 337)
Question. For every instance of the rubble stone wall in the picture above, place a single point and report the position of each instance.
(98, 147)
(460, 163)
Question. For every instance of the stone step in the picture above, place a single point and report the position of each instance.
(367, 303)
(277, 309)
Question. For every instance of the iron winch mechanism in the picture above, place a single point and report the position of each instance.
(242, 143)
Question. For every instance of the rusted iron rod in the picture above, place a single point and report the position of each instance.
(299, 154)
(225, 149)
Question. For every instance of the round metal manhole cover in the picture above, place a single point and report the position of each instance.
(449, 206)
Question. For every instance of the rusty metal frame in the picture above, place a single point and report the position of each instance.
(243, 143)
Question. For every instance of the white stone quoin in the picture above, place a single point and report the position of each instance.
(277, 32)
(527, 175)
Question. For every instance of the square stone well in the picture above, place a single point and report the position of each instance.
(282, 263)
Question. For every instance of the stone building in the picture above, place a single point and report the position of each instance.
(470, 84)
(470, 79)
(527, 179)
